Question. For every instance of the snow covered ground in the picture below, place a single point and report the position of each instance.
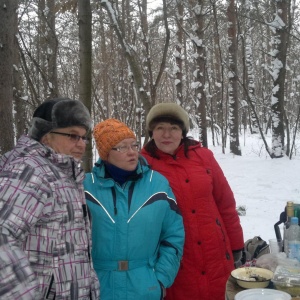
(261, 184)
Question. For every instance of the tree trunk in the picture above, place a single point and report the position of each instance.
(250, 69)
(219, 70)
(85, 55)
(19, 101)
(134, 62)
(233, 80)
(199, 73)
(52, 45)
(178, 52)
(7, 47)
(280, 39)
(41, 60)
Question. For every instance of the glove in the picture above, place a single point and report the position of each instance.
(237, 257)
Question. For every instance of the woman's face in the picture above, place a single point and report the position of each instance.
(60, 142)
(167, 137)
(124, 155)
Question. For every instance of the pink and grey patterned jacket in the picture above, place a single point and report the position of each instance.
(44, 228)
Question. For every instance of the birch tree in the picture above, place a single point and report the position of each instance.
(218, 87)
(278, 72)
(233, 80)
(197, 38)
(251, 95)
(176, 51)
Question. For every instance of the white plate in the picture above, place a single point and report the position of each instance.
(262, 294)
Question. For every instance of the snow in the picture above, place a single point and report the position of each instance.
(277, 23)
(261, 184)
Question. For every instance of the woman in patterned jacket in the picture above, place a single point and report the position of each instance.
(44, 229)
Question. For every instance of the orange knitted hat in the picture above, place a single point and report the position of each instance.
(109, 133)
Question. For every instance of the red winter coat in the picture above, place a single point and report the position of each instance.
(212, 225)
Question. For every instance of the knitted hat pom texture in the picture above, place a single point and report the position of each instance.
(108, 134)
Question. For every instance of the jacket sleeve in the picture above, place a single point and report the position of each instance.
(21, 201)
(226, 204)
(171, 245)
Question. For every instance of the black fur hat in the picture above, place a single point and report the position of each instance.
(58, 113)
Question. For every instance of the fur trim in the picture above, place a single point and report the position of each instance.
(168, 110)
(58, 113)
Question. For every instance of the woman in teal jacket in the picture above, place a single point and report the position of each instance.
(137, 229)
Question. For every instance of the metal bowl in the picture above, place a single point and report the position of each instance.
(252, 277)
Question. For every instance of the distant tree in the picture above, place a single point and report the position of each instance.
(233, 80)
(129, 52)
(38, 45)
(280, 44)
(85, 54)
(291, 87)
(140, 61)
(174, 51)
(52, 48)
(47, 50)
(260, 36)
(179, 51)
(20, 100)
(197, 37)
(102, 68)
(217, 69)
(8, 28)
(249, 78)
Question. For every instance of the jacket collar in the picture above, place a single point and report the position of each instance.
(28, 147)
(178, 153)
(99, 168)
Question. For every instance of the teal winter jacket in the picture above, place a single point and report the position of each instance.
(137, 233)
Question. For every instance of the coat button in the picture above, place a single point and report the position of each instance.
(187, 180)
(203, 272)
(193, 211)
(199, 243)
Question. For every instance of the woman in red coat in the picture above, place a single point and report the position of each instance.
(214, 236)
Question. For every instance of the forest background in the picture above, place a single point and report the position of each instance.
(233, 65)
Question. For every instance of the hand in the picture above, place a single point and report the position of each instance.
(237, 257)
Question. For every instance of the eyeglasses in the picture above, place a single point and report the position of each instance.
(124, 149)
(73, 137)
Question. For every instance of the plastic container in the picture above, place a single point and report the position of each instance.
(292, 241)
(287, 279)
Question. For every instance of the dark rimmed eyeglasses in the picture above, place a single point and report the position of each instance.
(73, 137)
(124, 149)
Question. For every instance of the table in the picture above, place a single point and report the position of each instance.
(232, 288)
